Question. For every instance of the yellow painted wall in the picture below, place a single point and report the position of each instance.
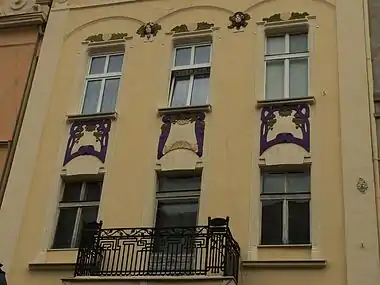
(343, 219)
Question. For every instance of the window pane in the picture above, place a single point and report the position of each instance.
(179, 183)
(89, 215)
(182, 56)
(200, 90)
(202, 54)
(271, 222)
(65, 228)
(298, 43)
(298, 77)
(181, 89)
(97, 65)
(115, 63)
(177, 214)
(275, 45)
(298, 182)
(71, 192)
(111, 89)
(299, 222)
(274, 85)
(273, 183)
(93, 191)
(91, 97)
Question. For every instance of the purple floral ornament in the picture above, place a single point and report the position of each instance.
(100, 129)
(300, 119)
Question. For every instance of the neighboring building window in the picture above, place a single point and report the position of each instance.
(79, 205)
(102, 83)
(285, 199)
(177, 203)
(287, 66)
(190, 75)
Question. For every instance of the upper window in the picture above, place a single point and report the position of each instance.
(102, 83)
(285, 217)
(286, 65)
(79, 205)
(190, 75)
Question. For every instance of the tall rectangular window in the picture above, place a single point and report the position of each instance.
(286, 66)
(79, 205)
(190, 75)
(102, 83)
(285, 199)
(177, 204)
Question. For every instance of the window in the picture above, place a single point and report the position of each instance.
(286, 64)
(285, 201)
(177, 204)
(102, 83)
(190, 75)
(79, 205)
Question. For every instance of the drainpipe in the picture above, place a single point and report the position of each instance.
(375, 154)
(21, 114)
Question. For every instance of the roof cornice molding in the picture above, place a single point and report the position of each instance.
(22, 20)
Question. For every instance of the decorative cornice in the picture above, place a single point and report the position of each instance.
(98, 38)
(279, 17)
(20, 20)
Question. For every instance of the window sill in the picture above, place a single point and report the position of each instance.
(186, 109)
(263, 103)
(56, 266)
(286, 263)
(290, 246)
(79, 117)
(144, 278)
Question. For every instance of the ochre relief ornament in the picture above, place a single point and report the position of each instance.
(362, 185)
(278, 17)
(94, 38)
(198, 27)
(239, 20)
(149, 30)
(105, 37)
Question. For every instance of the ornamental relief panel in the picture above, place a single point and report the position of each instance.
(88, 138)
(182, 131)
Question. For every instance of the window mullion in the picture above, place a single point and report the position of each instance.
(285, 222)
(106, 64)
(100, 100)
(286, 78)
(76, 227)
(190, 90)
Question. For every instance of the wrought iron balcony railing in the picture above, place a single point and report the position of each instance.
(201, 250)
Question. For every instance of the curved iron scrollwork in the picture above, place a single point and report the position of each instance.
(159, 251)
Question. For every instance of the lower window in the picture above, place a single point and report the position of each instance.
(285, 201)
(79, 205)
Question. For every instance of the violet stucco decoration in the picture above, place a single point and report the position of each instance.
(198, 119)
(100, 129)
(300, 119)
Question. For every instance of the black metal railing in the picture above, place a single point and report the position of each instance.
(201, 250)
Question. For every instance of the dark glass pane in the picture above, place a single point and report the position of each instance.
(273, 183)
(91, 98)
(93, 191)
(180, 183)
(111, 89)
(65, 228)
(298, 43)
(298, 182)
(180, 91)
(97, 65)
(71, 193)
(200, 90)
(182, 56)
(202, 54)
(171, 215)
(89, 215)
(271, 222)
(115, 63)
(299, 222)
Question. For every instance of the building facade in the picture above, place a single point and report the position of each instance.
(22, 25)
(196, 141)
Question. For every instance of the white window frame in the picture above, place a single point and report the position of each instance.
(285, 197)
(78, 205)
(286, 57)
(101, 76)
(187, 67)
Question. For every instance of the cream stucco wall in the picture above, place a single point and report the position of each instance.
(343, 219)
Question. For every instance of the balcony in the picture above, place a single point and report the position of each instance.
(181, 251)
